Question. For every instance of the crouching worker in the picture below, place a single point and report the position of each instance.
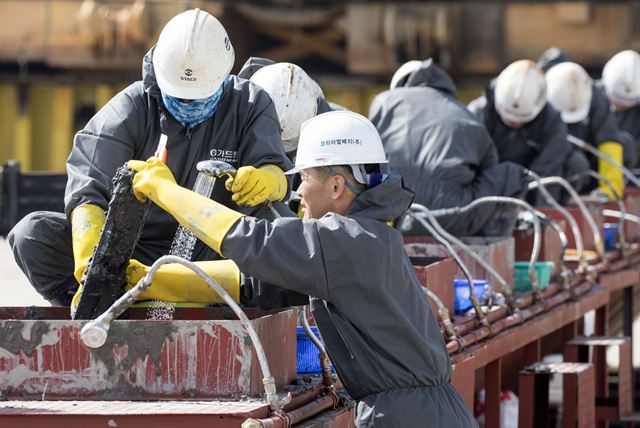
(213, 116)
(379, 331)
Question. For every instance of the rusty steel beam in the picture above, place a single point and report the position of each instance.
(463, 378)
(128, 414)
(437, 275)
(620, 279)
(144, 359)
(506, 339)
(328, 401)
(493, 390)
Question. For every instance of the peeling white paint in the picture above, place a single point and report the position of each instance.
(245, 358)
(187, 365)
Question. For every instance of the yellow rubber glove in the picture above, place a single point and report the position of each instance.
(615, 151)
(207, 219)
(179, 284)
(252, 186)
(87, 222)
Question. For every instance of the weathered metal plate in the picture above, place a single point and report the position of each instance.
(498, 252)
(144, 359)
(463, 378)
(595, 209)
(550, 246)
(437, 275)
(632, 206)
(127, 414)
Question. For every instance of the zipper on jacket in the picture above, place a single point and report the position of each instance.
(189, 132)
(333, 321)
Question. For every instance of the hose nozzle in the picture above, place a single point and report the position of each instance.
(94, 334)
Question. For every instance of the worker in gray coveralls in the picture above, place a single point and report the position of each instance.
(379, 331)
(186, 94)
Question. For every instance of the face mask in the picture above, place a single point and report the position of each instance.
(195, 112)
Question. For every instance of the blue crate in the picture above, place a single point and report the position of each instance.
(308, 360)
(462, 295)
(610, 236)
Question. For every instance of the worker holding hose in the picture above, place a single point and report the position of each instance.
(379, 331)
(187, 95)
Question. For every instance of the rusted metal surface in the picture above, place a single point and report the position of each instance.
(620, 279)
(577, 350)
(550, 246)
(578, 395)
(144, 359)
(493, 388)
(505, 339)
(595, 209)
(217, 312)
(463, 379)
(310, 403)
(437, 275)
(500, 322)
(328, 401)
(337, 418)
(128, 414)
(632, 206)
(498, 252)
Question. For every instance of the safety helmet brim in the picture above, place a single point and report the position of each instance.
(193, 56)
(338, 138)
(187, 93)
(333, 162)
(575, 116)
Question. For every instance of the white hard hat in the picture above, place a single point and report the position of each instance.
(520, 92)
(405, 69)
(193, 56)
(569, 91)
(621, 78)
(338, 138)
(294, 94)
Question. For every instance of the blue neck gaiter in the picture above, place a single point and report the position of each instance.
(195, 112)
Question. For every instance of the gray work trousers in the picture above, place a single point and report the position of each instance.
(430, 406)
(41, 244)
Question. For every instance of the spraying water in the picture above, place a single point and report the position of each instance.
(161, 311)
(184, 241)
(182, 246)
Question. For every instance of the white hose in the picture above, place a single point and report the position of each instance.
(626, 216)
(573, 225)
(503, 283)
(597, 237)
(94, 333)
(619, 201)
(465, 270)
(444, 313)
(589, 148)
(504, 200)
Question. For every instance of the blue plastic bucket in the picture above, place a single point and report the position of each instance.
(462, 295)
(308, 360)
(610, 236)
